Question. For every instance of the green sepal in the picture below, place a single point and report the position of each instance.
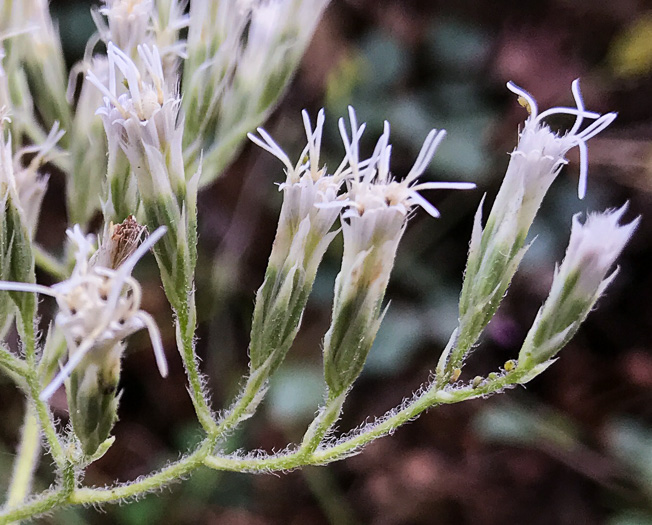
(93, 397)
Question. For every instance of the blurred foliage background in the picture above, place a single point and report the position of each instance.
(574, 447)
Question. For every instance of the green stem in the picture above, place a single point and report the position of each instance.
(44, 503)
(44, 415)
(241, 408)
(202, 455)
(185, 340)
(50, 264)
(68, 495)
(320, 426)
(169, 474)
(345, 447)
(26, 459)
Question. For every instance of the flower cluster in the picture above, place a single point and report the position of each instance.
(155, 117)
(496, 250)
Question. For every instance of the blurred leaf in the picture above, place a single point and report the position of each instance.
(630, 54)
(70, 517)
(631, 442)
(520, 425)
(631, 517)
(462, 151)
(150, 509)
(399, 336)
(458, 47)
(296, 392)
(386, 61)
(75, 27)
(342, 81)
(202, 485)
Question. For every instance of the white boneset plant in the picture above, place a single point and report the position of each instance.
(146, 114)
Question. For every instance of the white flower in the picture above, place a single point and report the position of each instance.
(26, 183)
(578, 283)
(378, 204)
(144, 121)
(310, 208)
(129, 22)
(310, 195)
(378, 207)
(98, 306)
(535, 164)
(592, 250)
(540, 153)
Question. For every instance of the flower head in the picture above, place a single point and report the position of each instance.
(129, 22)
(538, 143)
(593, 249)
(535, 164)
(376, 214)
(99, 306)
(144, 120)
(578, 283)
(311, 206)
(377, 203)
(25, 183)
(310, 193)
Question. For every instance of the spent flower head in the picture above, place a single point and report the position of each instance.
(99, 306)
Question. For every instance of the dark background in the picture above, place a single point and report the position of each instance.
(574, 447)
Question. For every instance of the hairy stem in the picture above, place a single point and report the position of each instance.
(26, 458)
(43, 413)
(247, 401)
(11, 363)
(431, 396)
(185, 340)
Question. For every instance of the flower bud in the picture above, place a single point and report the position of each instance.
(146, 123)
(19, 206)
(37, 48)
(89, 177)
(310, 208)
(378, 207)
(579, 282)
(241, 57)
